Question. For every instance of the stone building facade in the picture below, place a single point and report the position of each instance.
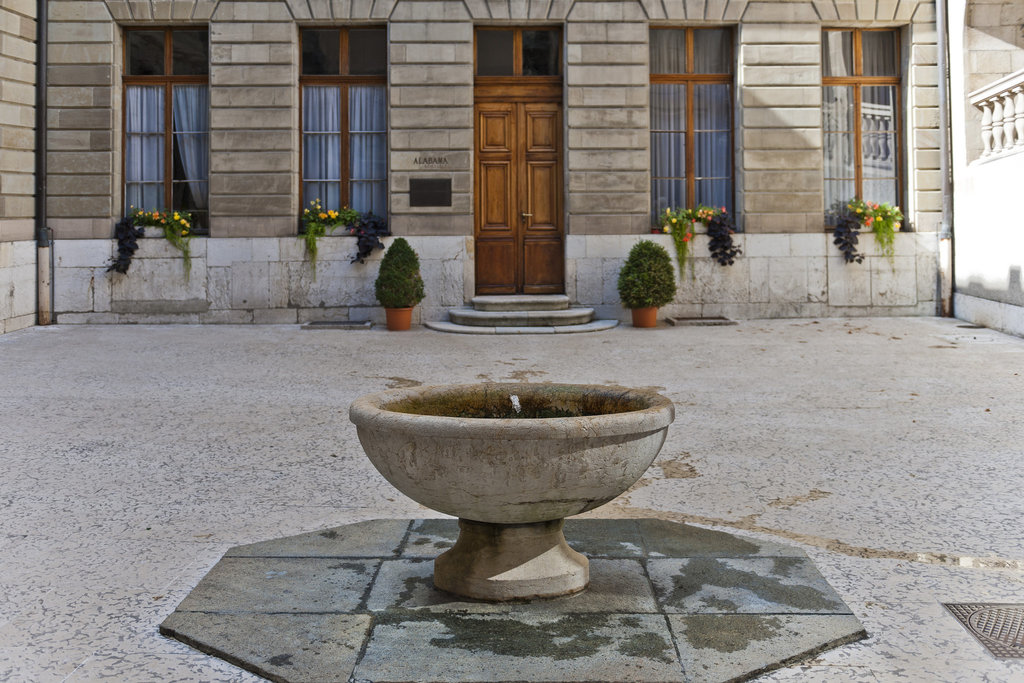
(251, 267)
(987, 107)
(17, 178)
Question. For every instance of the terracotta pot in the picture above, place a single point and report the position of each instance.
(645, 317)
(398, 319)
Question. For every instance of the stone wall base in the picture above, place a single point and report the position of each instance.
(270, 280)
(778, 276)
(246, 280)
(17, 285)
(994, 314)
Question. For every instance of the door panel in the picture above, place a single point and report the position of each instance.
(519, 243)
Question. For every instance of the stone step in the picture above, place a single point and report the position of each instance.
(577, 315)
(592, 326)
(521, 302)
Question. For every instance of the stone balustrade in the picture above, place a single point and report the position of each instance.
(1002, 115)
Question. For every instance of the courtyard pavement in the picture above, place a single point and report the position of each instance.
(133, 457)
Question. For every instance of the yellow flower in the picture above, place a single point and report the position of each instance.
(184, 232)
(332, 213)
(323, 216)
(665, 229)
(176, 216)
(673, 220)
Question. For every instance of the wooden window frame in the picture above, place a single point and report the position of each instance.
(858, 80)
(342, 80)
(690, 79)
(168, 80)
(518, 85)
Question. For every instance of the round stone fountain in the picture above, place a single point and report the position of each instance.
(511, 461)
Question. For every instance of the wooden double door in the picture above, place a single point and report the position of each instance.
(519, 237)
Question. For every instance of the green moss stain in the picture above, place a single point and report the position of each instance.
(707, 573)
(647, 646)
(535, 402)
(570, 637)
(730, 633)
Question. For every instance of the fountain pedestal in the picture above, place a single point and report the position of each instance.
(511, 561)
(511, 461)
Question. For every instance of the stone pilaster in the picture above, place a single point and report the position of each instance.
(608, 148)
(254, 104)
(431, 125)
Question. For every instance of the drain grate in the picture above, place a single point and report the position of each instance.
(999, 627)
(699, 322)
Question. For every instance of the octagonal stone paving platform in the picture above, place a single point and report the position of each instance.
(666, 602)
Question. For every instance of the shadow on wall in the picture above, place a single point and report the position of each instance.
(983, 288)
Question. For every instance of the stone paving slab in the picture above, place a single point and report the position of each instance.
(724, 647)
(272, 584)
(312, 648)
(489, 647)
(759, 585)
(666, 602)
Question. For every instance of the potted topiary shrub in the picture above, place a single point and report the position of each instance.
(646, 282)
(399, 286)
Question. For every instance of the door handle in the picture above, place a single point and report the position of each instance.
(524, 216)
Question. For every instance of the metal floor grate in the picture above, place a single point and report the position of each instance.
(999, 627)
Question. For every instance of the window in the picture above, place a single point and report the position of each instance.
(691, 118)
(860, 116)
(517, 52)
(166, 121)
(344, 118)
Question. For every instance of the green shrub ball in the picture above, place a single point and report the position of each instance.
(647, 278)
(399, 284)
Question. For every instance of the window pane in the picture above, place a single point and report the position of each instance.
(329, 194)
(367, 51)
(667, 193)
(668, 155)
(494, 53)
(837, 53)
(368, 148)
(191, 161)
(711, 106)
(144, 158)
(540, 53)
(144, 147)
(668, 106)
(837, 193)
(839, 156)
(879, 48)
(712, 51)
(321, 109)
(712, 156)
(837, 108)
(144, 109)
(190, 50)
(145, 53)
(321, 49)
(716, 193)
(880, 191)
(191, 196)
(668, 51)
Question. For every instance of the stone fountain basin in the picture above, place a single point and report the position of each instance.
(465, 451)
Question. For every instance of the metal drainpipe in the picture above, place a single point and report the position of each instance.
(946, 229)
(44, 236)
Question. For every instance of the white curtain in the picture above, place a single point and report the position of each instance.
(712, 151)
(668, 145)
(144, 147)
(367, 116)
(191, 106)
(321, 145)
(838, 121)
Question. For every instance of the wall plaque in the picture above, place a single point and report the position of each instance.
(430, 191)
